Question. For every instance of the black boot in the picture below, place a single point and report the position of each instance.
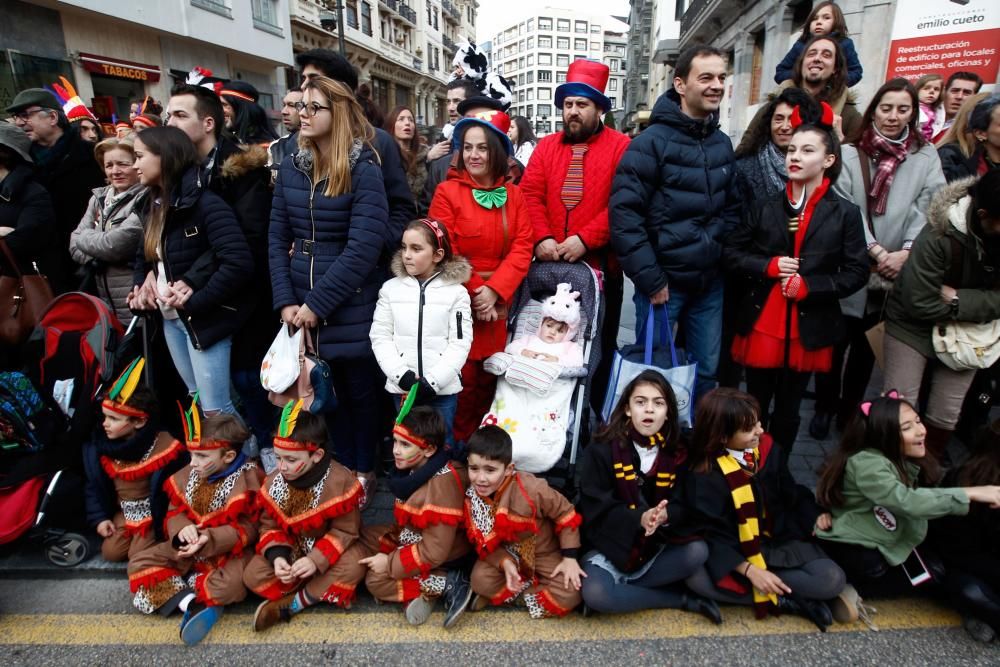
(699, 605)
(457, 592)
(819, 425)
(814, 610)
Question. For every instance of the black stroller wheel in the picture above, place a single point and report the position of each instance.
(68, 550)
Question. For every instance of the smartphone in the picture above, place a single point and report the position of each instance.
(916, 570)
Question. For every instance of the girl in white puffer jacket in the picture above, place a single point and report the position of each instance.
(422, 330)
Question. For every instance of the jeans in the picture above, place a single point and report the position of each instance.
(203, 371)
(446, 407)
(699, 316)
(259, 413)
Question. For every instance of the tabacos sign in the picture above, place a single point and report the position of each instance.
(122, 69)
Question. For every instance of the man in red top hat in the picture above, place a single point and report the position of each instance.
(566, 188)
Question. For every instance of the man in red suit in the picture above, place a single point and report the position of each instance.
(566, 188)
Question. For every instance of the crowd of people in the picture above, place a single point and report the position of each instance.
(398, 257)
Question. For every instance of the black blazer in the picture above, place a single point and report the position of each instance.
(833, 262)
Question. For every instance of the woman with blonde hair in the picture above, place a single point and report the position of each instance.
(968, 148)
(329, 225)
(107, 237)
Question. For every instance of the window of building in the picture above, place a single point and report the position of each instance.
(560, 77)
(520, 96)
(352, 15)
(562, 60)
(265, 15)
(613, 84)
(580, 56)
(520, 79)
(531, 43)
(384, 29)
(544, 76)
(544, 109)
(613, 65)
(530, 25)
(520, 45)
(614, 102)
(595, 46)
(531, 94)
(756, 67)
(562, 43)
(580, 44)
(559, 126)
(531, 77)
(595, 29)
(545, 59)
(366, 18)
(437, 12)
(520, 29)
(562, 25)
(220, 7)
(544, 23)
(531, 60)
(680, 8)
(544, 42)
(580, 26)
(545, 93)
(520, 63)
(529, 111)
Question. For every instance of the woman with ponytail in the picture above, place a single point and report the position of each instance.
(798, 252)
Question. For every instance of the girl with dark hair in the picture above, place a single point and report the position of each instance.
(523, 138)
(403, 128)
(184, 222)
(422, 329)
(875, 486)
(628, 478)
(890, 172)
(798, 253)
(758, 523)
(826, 19)
(486, 216)
(245, 118)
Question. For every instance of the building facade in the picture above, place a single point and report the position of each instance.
(402, 49)
(115, 53)
(535, 51)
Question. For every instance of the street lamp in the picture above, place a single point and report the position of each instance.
(328, 21)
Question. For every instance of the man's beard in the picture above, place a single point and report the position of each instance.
(582, 134)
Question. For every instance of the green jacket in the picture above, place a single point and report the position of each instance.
(915, 304)
(880, 512)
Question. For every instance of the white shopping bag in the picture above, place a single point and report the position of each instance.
(280, 367)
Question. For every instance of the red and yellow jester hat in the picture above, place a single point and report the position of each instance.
(121, 391)
(400, 430)
(290, 415)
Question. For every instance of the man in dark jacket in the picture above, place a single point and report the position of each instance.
(402, 208)
(287, 144)
(65, 166)
(672, 202)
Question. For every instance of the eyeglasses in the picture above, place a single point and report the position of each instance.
(309, 109)
(23, 116)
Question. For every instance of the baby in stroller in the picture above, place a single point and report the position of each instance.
(537, 379)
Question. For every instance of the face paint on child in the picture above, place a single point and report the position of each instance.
(294, 464)
(117, 426)
(209, 462)
(407, 455)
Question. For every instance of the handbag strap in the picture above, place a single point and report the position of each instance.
(10, 258)
(666, 336)
(506, 232)
(866, 178)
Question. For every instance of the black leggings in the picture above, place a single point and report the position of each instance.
(974, 597)
(871, 574)
(819, 579)
(676, 562)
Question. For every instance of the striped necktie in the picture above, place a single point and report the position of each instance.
(572, 189)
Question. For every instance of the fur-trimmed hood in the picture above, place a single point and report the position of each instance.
(455, 271)
(950, 207)
(244, 161)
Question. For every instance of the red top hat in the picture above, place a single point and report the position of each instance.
(585, 78)
(491, 119)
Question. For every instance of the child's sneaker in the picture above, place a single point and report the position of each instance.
(978, 630)
(198, 621)
(419, 610)
(457, 593)
(270, 612)
(367, 480)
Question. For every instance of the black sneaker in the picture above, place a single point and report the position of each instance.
(457, 593)
(813, 610)
(819, 425)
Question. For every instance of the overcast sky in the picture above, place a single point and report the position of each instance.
(496, 14)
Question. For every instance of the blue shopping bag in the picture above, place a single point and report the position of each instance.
(665, 359)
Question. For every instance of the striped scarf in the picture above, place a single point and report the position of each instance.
(888, 155)
(664, 471)
(572, 189)
(749, 526)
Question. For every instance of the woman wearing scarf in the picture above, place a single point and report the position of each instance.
(488, 223)
(891, 173)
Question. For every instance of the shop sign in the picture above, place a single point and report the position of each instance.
(122, 69)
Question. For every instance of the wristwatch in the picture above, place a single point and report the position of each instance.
(954, 306)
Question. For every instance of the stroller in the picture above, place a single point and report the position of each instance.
(566, 408)
(46, 416)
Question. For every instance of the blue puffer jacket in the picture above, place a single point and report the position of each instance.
(325, 251)
(673, 199)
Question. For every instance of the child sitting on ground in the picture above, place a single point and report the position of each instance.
(309, 519)
(210, 530)
(126, 463)
(422, 557)
(532, 400)
(527, 533)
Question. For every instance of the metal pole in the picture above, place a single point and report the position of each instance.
(340, 28)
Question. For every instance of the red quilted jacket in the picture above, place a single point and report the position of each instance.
(542, 186)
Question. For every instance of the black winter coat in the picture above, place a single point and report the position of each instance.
(70, 173)
(833, 261)
(609, 525)
(956, 166)
(26, 206)
(673, 201)
(201, 223)
(327, 252)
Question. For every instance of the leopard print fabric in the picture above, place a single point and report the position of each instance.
(535, 608)
(148, 600)
(136, 511)
(483, 512)
(432, 586)
(408, 536)
(149, 452)
(294, 501)
(206, 497)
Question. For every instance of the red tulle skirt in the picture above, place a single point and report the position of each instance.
(764, 346)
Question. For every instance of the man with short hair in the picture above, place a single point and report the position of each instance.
(958, 87)
(402, 208)
(287, 144)
(566, 186)
(64, 165)
(673, 200)
(456, 92)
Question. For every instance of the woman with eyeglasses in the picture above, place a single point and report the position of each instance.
(329, 221)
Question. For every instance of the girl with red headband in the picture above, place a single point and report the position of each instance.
(799, 252)
(422, 328)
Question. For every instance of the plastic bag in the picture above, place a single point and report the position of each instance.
(282, 363)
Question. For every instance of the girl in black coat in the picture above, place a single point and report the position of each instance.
(628, 478)
(798, 253)
(183, 223)
(757, 521)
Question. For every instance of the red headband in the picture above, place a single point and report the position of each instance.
(237, 94)
(122, 409)
(290, 445)
(403, 433)
(207, 445)
(435, 227)
(825, 119)
(142, 120)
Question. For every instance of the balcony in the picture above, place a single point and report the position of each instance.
(449, 44)
(418, 64)
(451, 11)
(408, 13)
(390, 4)
(703, 20)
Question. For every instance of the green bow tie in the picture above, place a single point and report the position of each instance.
(491, 198)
